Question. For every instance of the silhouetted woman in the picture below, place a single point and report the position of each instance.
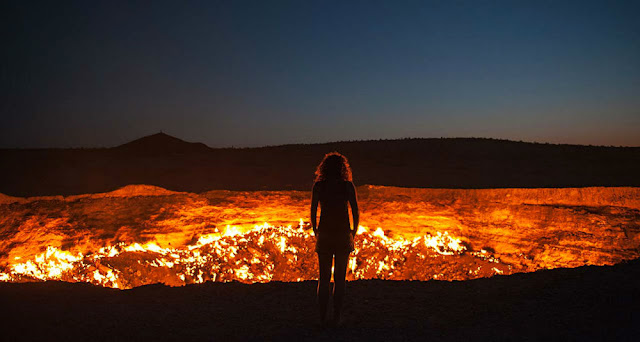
(334, 190)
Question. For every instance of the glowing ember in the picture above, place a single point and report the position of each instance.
(126, 239)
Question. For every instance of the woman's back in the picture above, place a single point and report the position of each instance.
(333, 196)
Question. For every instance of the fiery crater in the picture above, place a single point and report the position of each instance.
(140, 234)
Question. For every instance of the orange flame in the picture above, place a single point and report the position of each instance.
(262, 254)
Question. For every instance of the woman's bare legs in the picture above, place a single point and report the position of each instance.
(324, 284)
(339, 278)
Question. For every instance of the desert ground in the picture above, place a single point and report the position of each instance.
(171, 163)
(590, 303)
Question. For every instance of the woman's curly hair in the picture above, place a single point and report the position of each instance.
(334, 166)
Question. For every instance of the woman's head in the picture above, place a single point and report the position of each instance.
(333, 166)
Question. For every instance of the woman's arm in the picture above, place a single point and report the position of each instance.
(353, 200)
(314, 208)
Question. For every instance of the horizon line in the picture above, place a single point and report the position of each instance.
(316, 143)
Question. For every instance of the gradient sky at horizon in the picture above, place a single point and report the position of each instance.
(254, 73)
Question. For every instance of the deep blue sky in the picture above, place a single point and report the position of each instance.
(242, 73)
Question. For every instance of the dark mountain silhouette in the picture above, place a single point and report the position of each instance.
(173, 164)
(161, 143)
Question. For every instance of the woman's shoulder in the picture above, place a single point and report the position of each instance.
(347, 184)
(318, 184)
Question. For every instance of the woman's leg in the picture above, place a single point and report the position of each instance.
(324, 283)
(339, 275)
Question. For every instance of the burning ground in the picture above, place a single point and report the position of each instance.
(142, 234)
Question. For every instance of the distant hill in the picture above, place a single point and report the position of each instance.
(161, 143)
(174, 164)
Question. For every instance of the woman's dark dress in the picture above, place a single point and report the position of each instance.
(334, 234)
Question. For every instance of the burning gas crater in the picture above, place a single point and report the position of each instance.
(264, 253)
(142, 234)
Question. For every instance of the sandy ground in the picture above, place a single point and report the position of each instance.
(586, 303)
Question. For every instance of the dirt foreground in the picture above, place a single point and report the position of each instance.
(587, 303)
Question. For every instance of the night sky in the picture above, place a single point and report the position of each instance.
(242, 73)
